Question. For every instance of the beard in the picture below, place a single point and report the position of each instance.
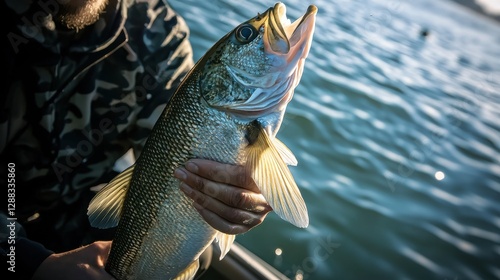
(77, 14)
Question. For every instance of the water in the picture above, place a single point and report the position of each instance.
(381, 115)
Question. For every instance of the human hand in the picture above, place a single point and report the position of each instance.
(224, 195)
(83, 263)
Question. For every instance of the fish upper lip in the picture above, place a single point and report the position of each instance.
(283, 34)
(287, 44)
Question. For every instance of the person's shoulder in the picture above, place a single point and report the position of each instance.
(152, 21)
(145, 7)
(154, 15)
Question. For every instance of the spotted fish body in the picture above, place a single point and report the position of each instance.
(228, 109)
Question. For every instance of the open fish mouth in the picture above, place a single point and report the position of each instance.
(282, 35)
(286, 45)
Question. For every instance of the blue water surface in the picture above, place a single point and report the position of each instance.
(397, 137)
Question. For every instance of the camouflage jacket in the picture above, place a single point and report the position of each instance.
(75, 102)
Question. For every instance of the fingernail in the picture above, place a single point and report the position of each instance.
(186, 189)
(248, 221)
(259, 208)
(192, 167)
(180, 174)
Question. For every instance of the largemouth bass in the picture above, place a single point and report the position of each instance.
(228, 109)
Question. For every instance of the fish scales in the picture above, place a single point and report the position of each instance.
(170, 144)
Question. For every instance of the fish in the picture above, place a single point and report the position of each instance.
(228, 109)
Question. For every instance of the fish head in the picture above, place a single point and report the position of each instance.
(252, 72)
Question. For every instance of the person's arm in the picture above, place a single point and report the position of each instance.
(22, 256)
(80, 264)
(27, 259)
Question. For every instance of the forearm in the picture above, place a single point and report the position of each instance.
(22, 256)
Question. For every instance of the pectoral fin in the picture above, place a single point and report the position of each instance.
(275, 181)
(285, 153)
(105, 208)
(189, 272)
(225, 241)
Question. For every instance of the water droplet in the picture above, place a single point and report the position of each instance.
(439, 175)
(278, 251)
(299, 275)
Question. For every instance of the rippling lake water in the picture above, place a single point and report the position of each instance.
(397, 137)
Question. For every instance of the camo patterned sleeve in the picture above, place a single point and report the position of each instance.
(74, 103)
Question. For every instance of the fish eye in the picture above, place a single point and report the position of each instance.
(245, 33)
